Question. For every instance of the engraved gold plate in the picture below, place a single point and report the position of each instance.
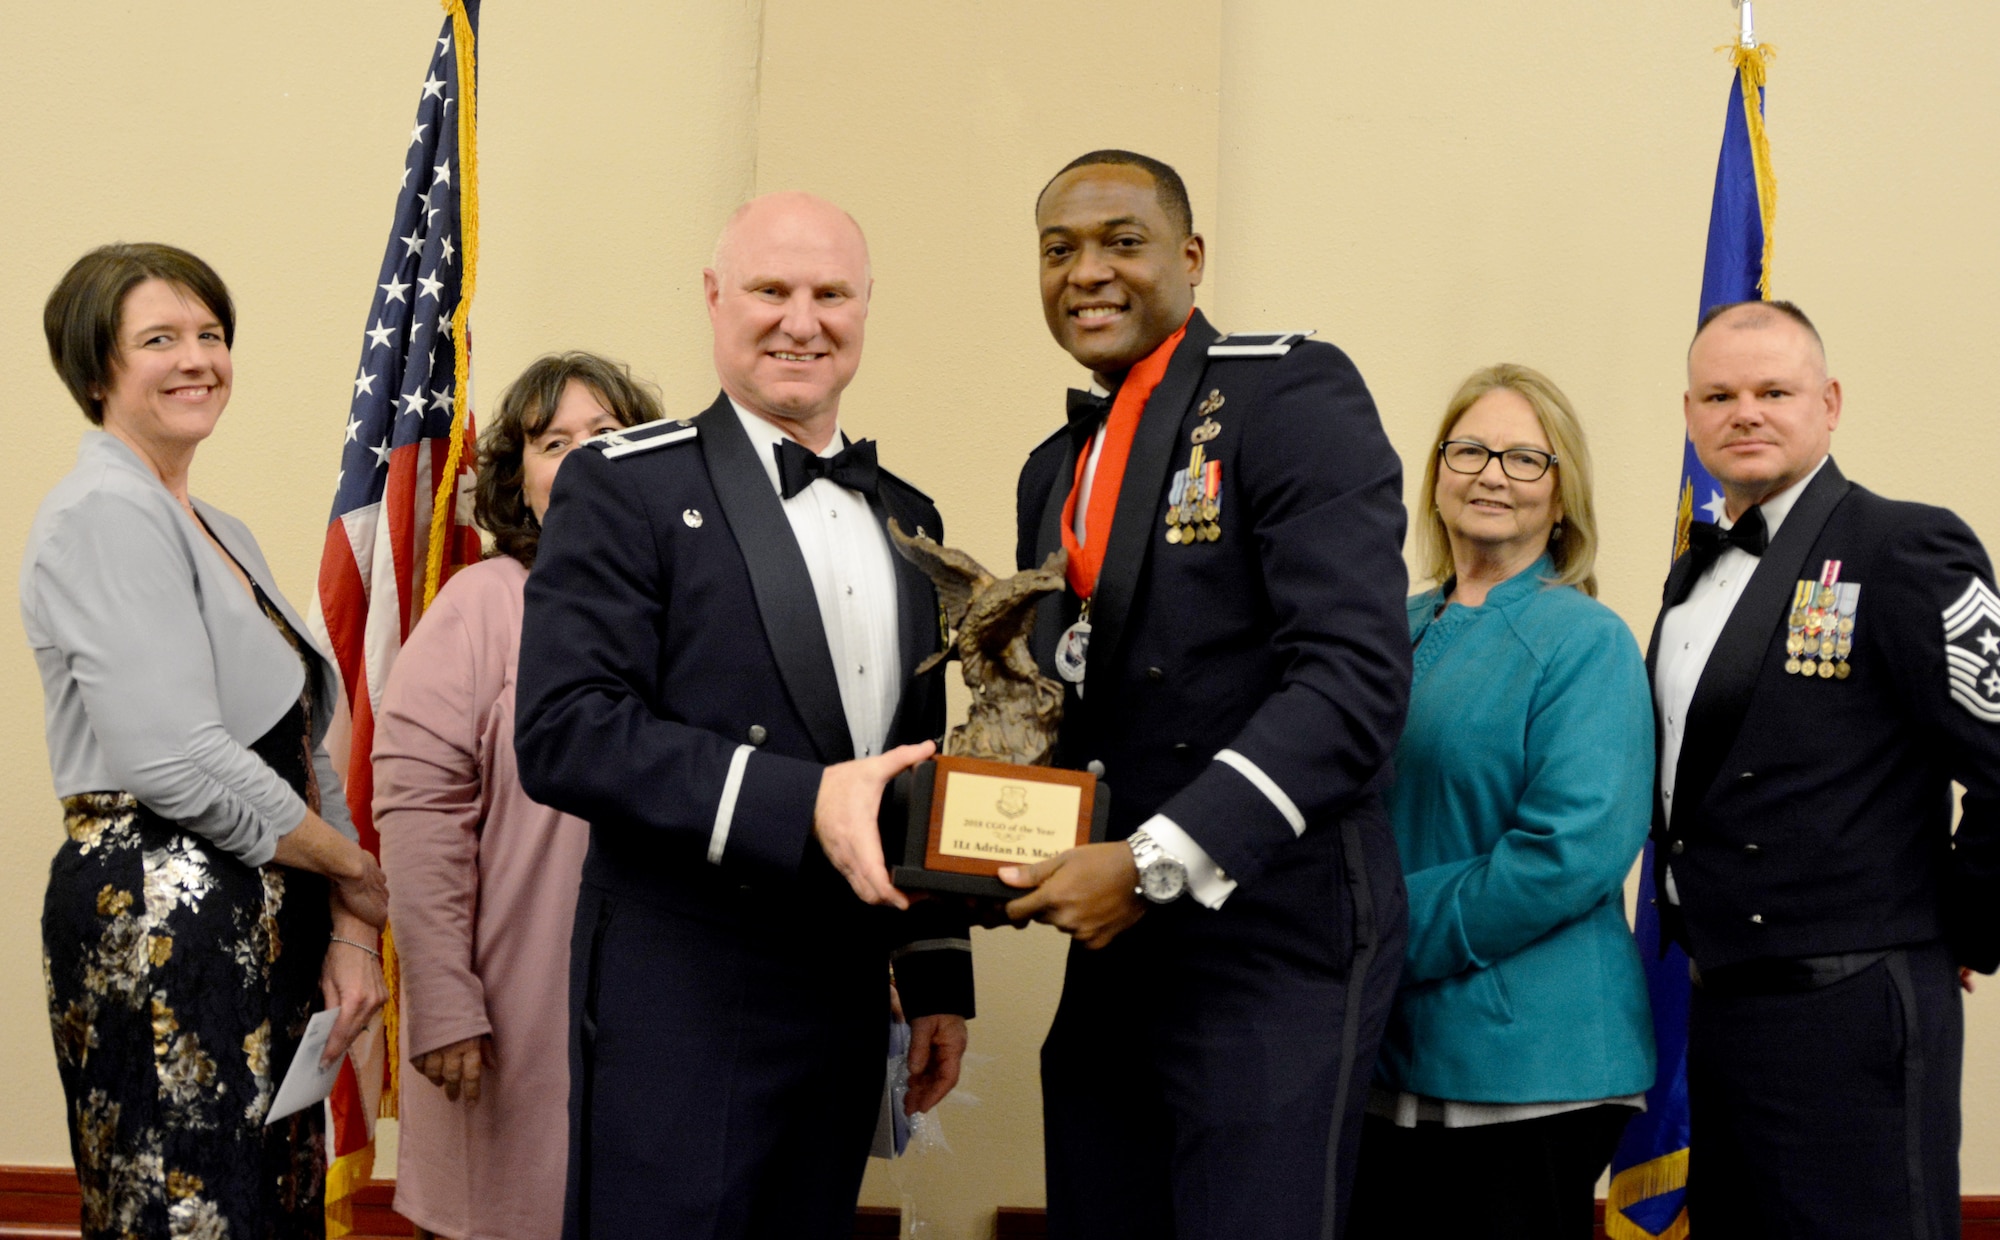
(988, 814)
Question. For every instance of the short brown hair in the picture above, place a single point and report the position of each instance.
(82, 316)
(499, 504)
(1573, 546)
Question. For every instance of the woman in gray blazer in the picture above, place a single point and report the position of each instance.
(210, 893)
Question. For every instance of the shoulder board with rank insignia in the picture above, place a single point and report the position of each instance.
(1258, 344)
(642, 438)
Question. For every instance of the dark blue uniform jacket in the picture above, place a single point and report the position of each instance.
(1281, 645)
(1814, 816)
(676, 691)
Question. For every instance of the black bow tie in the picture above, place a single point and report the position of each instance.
(1087, 411)
(1707, 540)
(1088, 407)
(852, 467)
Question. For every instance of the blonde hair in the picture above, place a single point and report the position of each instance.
(1573, 542)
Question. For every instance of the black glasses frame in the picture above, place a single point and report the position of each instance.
(1547, 459)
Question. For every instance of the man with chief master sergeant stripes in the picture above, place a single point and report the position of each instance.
(1825, 664)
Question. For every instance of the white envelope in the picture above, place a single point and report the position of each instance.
(305, 1081)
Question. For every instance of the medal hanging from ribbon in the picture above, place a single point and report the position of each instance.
(1086, 553)
(1194, 501)
(1820, 626)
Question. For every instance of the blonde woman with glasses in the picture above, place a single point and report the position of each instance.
(1521, 1041)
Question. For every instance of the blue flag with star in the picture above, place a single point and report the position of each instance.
(1649, 1172)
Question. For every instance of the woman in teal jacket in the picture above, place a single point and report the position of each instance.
(1521, 1041)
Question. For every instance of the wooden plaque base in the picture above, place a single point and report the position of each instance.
(945, 836)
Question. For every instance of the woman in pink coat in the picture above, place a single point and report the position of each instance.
(484, 880)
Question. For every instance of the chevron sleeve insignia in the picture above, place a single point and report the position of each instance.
(1972, 651)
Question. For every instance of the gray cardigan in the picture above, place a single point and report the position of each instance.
(158, 669)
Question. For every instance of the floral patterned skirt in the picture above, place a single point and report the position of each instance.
(180, 981)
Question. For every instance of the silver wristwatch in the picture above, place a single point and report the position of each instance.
(1162, 879)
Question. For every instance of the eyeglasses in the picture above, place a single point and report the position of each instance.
(1462, 456)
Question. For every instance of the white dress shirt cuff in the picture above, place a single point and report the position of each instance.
(1206, 881)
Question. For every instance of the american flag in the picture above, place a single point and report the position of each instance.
(398, 525)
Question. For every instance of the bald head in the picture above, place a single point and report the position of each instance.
(755, 222)
(787, 298)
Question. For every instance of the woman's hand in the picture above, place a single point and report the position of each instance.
(350, 981)
(457, 1067)
(358, 881)
(366, 894)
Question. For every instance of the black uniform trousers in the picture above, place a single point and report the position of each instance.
(726, 1070)
(1829, 1113)
(1209, 1062)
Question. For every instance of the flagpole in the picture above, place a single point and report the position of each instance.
(1749, 36)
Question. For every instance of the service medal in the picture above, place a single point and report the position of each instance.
(1796, 622)
(1826, 671)
(1073, 651)
(1847, 595)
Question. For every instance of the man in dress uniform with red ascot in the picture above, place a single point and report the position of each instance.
(1238, 659)
(1826, 664)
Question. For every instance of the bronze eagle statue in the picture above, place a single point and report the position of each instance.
(987, 621)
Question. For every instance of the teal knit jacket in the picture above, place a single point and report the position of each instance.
(1524, 791)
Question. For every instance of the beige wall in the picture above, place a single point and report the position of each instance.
(1432, 186)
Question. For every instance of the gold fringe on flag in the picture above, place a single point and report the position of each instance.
(392, 1028)
(1683, 522)
(1636, 1184)
(468, 220)
(346, 1176)
(1752, 64)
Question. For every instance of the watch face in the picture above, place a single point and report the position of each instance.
(1163, 881)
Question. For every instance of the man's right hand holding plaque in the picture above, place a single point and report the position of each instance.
(991, 800)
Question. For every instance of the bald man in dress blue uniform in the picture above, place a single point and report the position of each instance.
(1234, 513)
(717, 673)
(1826, 664)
